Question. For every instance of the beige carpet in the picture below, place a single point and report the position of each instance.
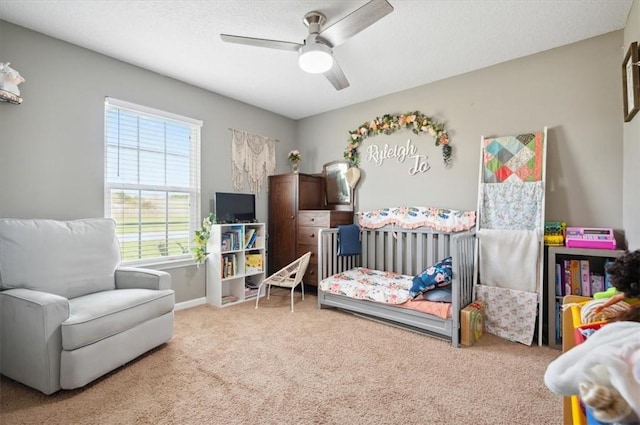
(269, 366)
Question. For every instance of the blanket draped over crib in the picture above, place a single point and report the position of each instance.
(440, 219)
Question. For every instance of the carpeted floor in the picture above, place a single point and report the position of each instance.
(239, 365)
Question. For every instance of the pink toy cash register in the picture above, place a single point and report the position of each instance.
(590, 237)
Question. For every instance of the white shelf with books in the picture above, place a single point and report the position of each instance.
(235, 263)
(573, 271)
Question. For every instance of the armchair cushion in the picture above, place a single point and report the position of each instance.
(100, 315)
(67, 258)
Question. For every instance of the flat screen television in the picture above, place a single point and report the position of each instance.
(235, 207)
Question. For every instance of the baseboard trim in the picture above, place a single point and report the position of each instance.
(191, 303)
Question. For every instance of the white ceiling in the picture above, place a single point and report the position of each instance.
(421, 41)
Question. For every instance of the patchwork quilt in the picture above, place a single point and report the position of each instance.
(513, 158)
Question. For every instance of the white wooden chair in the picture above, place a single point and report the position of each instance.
(287, 277)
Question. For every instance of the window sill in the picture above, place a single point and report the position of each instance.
(162, 265)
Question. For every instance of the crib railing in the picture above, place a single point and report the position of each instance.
(403, 251)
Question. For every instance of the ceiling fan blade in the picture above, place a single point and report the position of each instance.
(356, 21)
(261, 42)
(336, 77)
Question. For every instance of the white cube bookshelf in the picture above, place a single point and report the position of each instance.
(235, 261)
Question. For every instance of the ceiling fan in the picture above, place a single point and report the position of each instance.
(316, 54)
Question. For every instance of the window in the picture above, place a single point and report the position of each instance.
(152, 181)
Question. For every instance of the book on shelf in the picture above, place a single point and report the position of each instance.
(248, 237)
(253, 263)
(254, 238)
(574, 272)
(579, 277)
(226, 299)
(250, 292)
(559, 280)
(229, 265)
(597, 283)
(231, 240)
(566, 273)
(225, 243)
(237, 237)
(585, 278)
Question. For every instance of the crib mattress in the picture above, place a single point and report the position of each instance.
(382, 287)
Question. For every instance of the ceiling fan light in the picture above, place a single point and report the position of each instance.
(315, 58)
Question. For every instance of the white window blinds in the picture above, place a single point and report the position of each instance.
(152, 181)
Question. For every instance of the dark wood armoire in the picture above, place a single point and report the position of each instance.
(296, 213)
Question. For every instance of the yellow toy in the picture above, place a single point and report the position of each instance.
(554, 233)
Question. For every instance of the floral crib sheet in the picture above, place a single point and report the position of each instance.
(383, 287)
(413, 217)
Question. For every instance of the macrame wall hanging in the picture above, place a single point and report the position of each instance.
(253, 157)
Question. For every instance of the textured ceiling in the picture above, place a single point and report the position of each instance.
(420, 42)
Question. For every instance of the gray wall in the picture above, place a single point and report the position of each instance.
(631, 137)
(573, 90)
(51, 146)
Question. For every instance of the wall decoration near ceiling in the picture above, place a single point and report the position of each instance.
(417, 122)
(253, 159)
(9, 80)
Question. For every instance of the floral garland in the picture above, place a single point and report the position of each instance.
(415, 121)
(201, 238)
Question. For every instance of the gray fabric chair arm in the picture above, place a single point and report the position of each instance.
(134, 277)
(30, 337)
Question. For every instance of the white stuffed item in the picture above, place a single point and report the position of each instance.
(9, 79)
(610, 357)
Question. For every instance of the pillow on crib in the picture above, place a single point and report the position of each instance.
(438, 275)
(441, 295)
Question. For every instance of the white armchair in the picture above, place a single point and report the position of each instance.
(68, 313)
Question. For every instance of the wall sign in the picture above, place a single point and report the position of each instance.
(407, 152)
(417, 122)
